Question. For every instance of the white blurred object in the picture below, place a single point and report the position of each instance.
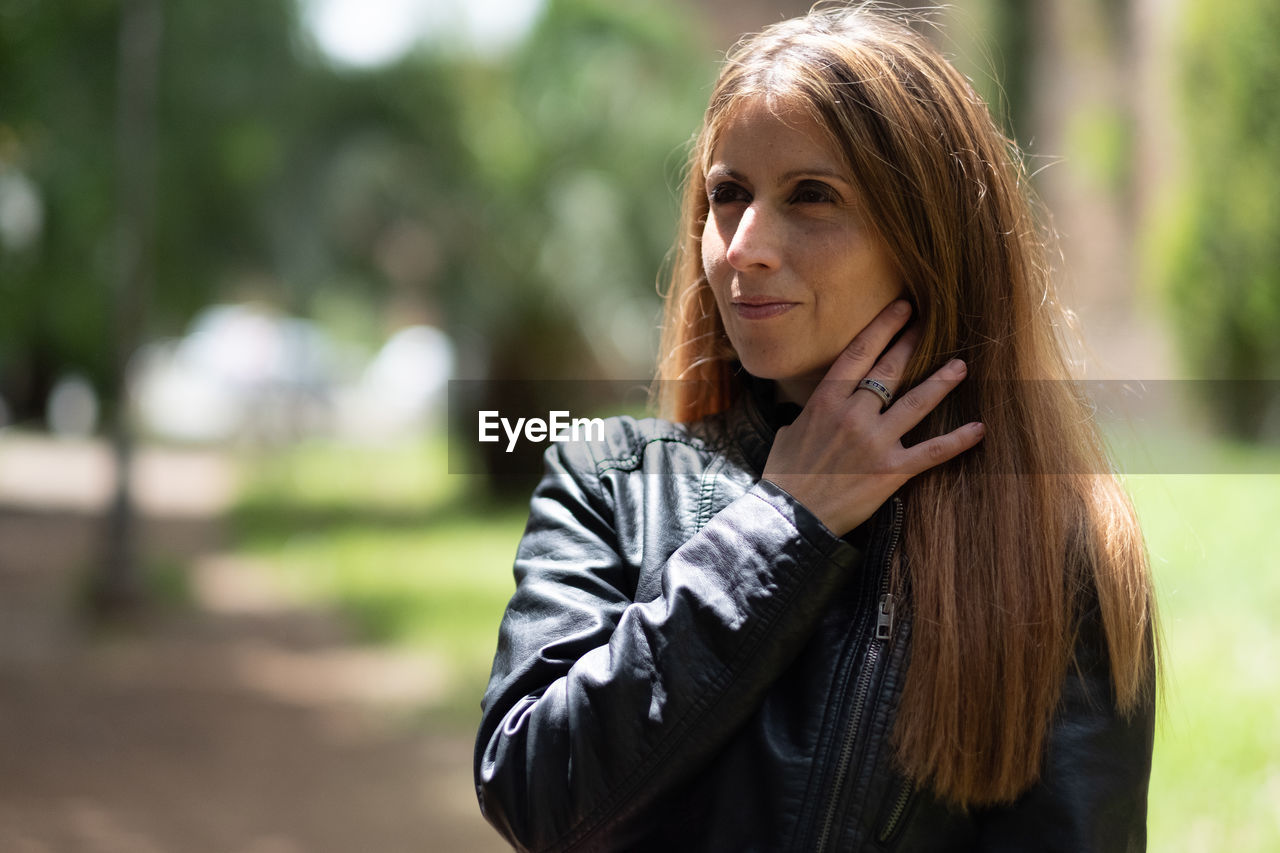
(246, 374)
(371, 33)
(178, 401)
(72, 408)
(241, 373)
(21, 211)
(402, 390)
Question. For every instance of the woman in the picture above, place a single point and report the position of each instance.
(870, 587)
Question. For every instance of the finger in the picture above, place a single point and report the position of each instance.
(929, 454)
(861, 354)
(911, 408)
(883, 397)
(888, 371)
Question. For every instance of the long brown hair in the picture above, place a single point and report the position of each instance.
(1006, 546)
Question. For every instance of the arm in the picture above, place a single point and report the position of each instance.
(599, 704)
(1092, 794)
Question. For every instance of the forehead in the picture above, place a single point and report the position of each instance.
(760, 128)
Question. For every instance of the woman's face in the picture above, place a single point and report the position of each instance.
(794, 265)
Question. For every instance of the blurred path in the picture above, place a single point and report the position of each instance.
(246, 725)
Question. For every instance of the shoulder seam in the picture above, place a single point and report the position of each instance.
(633, 461)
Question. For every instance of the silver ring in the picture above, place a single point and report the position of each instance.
(878, 389)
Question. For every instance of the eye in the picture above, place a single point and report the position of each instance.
(814, 192)
(728, 192)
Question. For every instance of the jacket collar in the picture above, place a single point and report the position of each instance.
(754, 418)
(753, 422)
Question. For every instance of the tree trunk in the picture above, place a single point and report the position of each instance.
(116, 588)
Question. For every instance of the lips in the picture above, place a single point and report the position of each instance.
(761, 307)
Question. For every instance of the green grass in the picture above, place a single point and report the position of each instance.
(401, 547)
(315, 477)
(1215, 547)
(396, 544)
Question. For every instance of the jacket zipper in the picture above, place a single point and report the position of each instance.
(896, 811)
(884, 631)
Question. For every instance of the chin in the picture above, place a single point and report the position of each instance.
(763, 368)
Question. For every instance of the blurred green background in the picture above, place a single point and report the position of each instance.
(244, 245)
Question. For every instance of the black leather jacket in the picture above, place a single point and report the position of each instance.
(692, 661)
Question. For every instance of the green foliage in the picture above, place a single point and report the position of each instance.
(577, 140)
(56, 128)
(1219, 247)
(1100, 139)
(573, 139)
(235, 106)
(523, 201)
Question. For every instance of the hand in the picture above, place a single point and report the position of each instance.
(843, 457)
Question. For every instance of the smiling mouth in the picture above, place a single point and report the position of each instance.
(761, 309)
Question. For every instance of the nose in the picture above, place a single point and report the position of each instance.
(755, 243)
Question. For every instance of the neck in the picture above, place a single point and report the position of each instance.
(796, 390)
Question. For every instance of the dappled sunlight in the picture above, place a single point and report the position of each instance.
(232, 716)
(79, 475)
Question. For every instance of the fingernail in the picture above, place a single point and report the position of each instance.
(978, 427)
(957, 366)
(902, 306)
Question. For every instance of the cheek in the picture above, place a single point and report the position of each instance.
(712, 250)
(714, 265)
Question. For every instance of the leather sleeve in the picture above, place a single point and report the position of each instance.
(597, 704)
(1092, 793)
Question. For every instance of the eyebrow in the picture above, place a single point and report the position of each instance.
(785, 177)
